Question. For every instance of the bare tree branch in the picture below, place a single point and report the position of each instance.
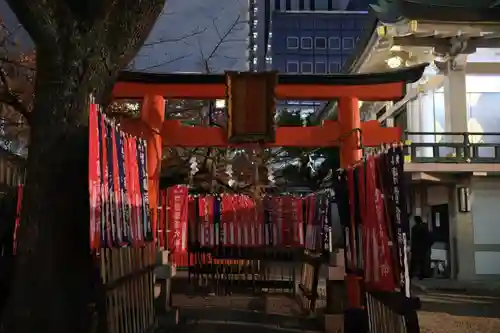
(164, 63)
(10, 98)
(40, 27)
(223, 38)
(212, 161)
(176, 40)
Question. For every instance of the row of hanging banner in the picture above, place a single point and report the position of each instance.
(372, 208)
(233, 220)
(118, 185)
(370, 198)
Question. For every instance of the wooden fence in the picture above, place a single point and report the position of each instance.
(127, 275)
(392, 312)
(12, 170)
(308, 285)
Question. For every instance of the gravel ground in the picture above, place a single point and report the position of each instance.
(442, 312)
(455, 312)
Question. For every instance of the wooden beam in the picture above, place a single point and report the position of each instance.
(368, 92)
(365, 86)
(327, 135)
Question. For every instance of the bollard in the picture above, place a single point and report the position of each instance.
(163, 275)
(336, 296)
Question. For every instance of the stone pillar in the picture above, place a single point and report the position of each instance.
(413, 112)
(336, 294)
(461, 236)
(413, 120)
(455, 97)
(168, 316)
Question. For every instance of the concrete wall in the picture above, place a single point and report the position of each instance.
(486, 226)
(474, 236)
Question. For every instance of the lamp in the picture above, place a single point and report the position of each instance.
(220, 103)
(394, 62)
(463, 199)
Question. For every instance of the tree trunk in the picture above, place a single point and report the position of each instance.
(81, 48)
(53, 283)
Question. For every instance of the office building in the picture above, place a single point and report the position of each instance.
(261, 16)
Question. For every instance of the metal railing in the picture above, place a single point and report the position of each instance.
(452, 147)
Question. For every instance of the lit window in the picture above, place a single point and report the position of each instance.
(306, 67)
(292, 43)
(334, 67)
(334, 43)
(320, 67)
(292, 67)
(320, 43)
(306, 43)
(347, 43)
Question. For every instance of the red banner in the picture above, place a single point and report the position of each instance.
(294, 220)
(238, 225)
(120, 230)
(137, 200)
(378, 263)
(130, 191)
(252, 222)
(206, 206)
(162, 222)
(241, 221)
(18, 216)
(311, 229)
(106, 208)
(192, 220)
(351, 237)
(177, 217)
(229, 207)
(94, 178)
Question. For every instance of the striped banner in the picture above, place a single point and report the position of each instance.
(118, 185)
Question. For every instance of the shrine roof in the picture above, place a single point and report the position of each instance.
(419, 11)
(408, 75)
(457, 11)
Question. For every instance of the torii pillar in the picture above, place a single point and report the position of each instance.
(152, 116)
(350, 153)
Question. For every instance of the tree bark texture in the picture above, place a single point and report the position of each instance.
(80, 51)
(52, 282)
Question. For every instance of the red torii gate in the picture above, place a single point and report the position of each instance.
(251, 104)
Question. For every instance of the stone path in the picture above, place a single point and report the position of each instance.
(450, 311)
(264, 314)
(459, 312)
